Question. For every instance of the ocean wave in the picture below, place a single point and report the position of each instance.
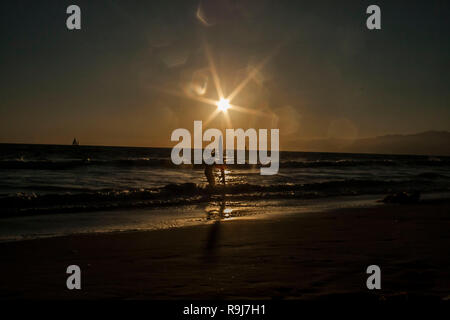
(191, 193)
(72, 164)
(166, 163)
(363, 163)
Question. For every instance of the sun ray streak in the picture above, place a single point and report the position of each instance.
(244, 82)
(213, 69)
(227, 120)
(185, 95)
(211, 117)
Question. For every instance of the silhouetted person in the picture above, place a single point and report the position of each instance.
(209, 173)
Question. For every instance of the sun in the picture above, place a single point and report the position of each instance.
(223, 104)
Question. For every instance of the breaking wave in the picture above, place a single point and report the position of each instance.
(191, 193)
(165, 163)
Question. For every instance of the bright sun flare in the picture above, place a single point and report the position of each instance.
(223, 104)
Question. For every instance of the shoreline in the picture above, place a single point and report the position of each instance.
(53, 225)
(306, 256)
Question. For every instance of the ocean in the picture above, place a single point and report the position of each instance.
(44, 178)
(70, 184)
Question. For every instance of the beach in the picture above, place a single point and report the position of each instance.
(312, 255)
(226, 152)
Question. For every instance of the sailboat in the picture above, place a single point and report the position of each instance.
(75, 142)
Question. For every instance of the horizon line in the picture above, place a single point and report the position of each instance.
(149, 147)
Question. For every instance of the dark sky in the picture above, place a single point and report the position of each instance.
(327, 76)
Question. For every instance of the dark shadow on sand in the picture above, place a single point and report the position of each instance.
(213, 239)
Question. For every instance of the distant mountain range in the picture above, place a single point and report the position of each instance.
(424, 143)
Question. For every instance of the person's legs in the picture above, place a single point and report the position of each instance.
(210, 175)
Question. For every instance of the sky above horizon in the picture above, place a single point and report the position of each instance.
(137, 70)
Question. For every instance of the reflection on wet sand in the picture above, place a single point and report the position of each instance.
(218, 212)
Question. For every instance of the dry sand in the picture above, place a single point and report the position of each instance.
(312, 255)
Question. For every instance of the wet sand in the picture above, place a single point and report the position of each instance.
(308, 256)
